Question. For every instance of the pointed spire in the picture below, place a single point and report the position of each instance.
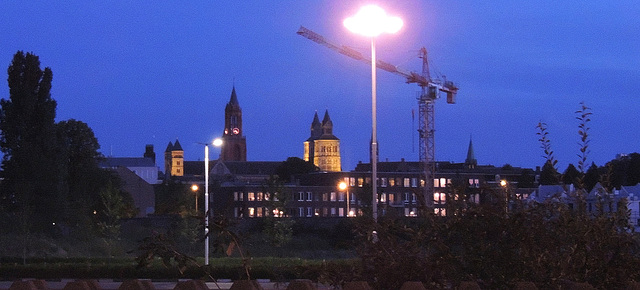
(316, 120)
(169, 147)
(177, 146)
(326, 118)
(471, 161)
(234, 98)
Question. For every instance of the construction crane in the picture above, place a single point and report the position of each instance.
(430, 89)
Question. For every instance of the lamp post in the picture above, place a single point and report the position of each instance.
(194, 188)
(371, 21)
(217, 142)
(343, 187)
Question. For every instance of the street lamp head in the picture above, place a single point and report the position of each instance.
(503, 183)
(217, 142)
(342, 186)
(372, 21)
(194, 187)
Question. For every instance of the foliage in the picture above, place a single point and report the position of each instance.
(27, 133)
(571, 175)
(294, 166)
(277, 227)
(496, 248)
(160, 246)
(51, 173)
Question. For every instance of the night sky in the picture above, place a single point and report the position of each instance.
(149, 72)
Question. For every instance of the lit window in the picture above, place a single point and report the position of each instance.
(333, 196)
(252, 212)
(341, 211)
(436, 183)
(392, 182)
(251, 196)
(383, 197)
(407, 182)
(259, 212)
(443, 182)
(383, 182)
(360, 181)
(259, 196)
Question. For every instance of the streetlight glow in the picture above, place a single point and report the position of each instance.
(372, 21)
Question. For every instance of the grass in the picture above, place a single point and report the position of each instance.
(277, 269)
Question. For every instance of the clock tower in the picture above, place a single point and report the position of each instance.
(234, 144)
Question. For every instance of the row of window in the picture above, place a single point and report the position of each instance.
(252, 212)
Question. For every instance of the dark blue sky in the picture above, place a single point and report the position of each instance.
(151, 72)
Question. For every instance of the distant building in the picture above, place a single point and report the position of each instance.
(234, 143)
(174, 160)
(138, 175)
(323, 148)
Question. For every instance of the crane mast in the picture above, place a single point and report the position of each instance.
(430, 89)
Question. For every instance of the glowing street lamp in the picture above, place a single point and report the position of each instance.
(342, 186)
(217, 142)
(371, 21)
(194, 188)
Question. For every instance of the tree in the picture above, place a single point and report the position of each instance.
(571, 175)
(27, 139)
(82, 179)
(549, 174)
(294, 166)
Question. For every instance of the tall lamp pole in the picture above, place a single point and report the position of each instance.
(371, 21)
(217, 142)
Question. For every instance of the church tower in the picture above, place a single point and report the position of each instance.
(471, 161)
(234, 144)
(174, 160)
(323, 148)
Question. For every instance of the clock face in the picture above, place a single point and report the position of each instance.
(236, 131)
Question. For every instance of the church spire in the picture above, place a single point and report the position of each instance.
(471, 161)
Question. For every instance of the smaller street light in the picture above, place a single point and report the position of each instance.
(342, 186)
(194, 188)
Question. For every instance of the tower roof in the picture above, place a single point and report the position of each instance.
(471, 156)
(234, 99)
(169, 147)
(326, 120)
(177, 146)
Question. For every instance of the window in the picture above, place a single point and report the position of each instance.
(392, 182)
(325, 197)
(309, 196)
(341, 211)
(333, 211)
(383, 197)
(267, 196)
(333, 196)
(414, 182)
(352, 181)
(251, 196)
(259, 212)
(300, 196)
(391, 198)
(341, 196)
(440, 211)
(413, 198)
(309, 212)
(443, 182)
(439, 198)
(301, 211)
(383, 182)
(252, 212)
(407, 182)
(360, 181)
(259, 196)
(407, 197)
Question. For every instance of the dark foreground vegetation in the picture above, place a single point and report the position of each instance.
(496, 245)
